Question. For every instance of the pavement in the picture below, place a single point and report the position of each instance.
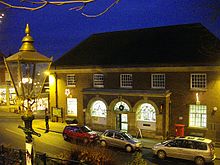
(57, 127)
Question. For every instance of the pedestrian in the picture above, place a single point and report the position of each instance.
(47, 120)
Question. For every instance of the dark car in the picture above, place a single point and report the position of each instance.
(79, 134)
(119, 139)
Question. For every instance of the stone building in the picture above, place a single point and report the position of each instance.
(142, 81)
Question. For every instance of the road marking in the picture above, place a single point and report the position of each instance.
(20, 134)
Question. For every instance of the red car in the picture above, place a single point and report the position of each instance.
(79, 134)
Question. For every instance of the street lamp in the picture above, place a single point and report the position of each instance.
(27, 71)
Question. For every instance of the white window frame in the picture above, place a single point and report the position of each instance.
(98, 80)
(198, 116)
(158, 81)
(126, 81)
(198, 81)
(71, 80)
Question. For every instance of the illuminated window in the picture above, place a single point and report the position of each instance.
(198, 116)
(146, 112)
(158, 81)
(3, 96)
(12, 96)
(98, 109)
(71, 80)
(198, 81)
(126, 81)
(121, 106)
(98, 81)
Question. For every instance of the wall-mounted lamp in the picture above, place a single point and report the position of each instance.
(214, 110)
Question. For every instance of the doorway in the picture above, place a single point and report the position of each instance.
(122, 122)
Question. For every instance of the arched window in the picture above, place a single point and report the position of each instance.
(121, 106)
(146, 112)
(98, 109)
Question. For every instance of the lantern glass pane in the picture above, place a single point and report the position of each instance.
(28, 77)
(15, 76)
(39, 77)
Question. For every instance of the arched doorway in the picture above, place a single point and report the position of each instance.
(121, 108)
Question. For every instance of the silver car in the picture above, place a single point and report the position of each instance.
(119, 139)
(200, 150)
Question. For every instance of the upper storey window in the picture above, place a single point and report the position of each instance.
(98, 81)
(126, 81)
(198, 81)
(71, 80)
(158, 81)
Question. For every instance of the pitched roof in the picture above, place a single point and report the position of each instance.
(178, 45)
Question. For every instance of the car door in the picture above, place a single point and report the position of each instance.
(119, 140)
(75, 132)
(109, 138)
(188, 150)
(173, 148)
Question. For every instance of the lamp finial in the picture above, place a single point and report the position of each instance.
(27, 41)
(27, 29)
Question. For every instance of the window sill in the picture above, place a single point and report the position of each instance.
(198, 89)
(198, 128)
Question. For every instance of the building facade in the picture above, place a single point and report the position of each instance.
(156, 82)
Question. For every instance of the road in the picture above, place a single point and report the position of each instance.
(53, 145)
(12, 136)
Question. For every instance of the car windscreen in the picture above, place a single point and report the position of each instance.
(85, 129)
(127, 136)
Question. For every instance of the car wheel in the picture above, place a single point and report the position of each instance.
(161, 154)
(103, 143)
(128, 148)
(199, 160)
(65, 137)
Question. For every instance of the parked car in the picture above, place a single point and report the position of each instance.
(79, 133)
(200, 150)
(119, 139)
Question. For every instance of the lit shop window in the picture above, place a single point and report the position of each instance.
(38, 104)
(146, 112)
(121, 106)
(71, 80)
(12, 96)
(198, 81)
(72, 106)
(126, 81)
(198, 116)
(3, 96)
(98, 81)
(158, 81)
(98, 109)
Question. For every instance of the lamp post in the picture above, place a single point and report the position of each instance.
(27, 71)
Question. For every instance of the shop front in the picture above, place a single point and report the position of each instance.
(131, 114)
(8, 99)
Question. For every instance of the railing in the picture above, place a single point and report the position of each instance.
(10, 156)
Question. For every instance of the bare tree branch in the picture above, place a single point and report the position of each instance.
(103, 12)
(33, 5)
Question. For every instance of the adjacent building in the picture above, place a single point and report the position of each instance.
(155, 82)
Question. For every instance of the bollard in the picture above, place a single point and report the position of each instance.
(44, 157)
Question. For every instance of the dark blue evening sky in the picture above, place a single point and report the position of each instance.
(56, 29)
